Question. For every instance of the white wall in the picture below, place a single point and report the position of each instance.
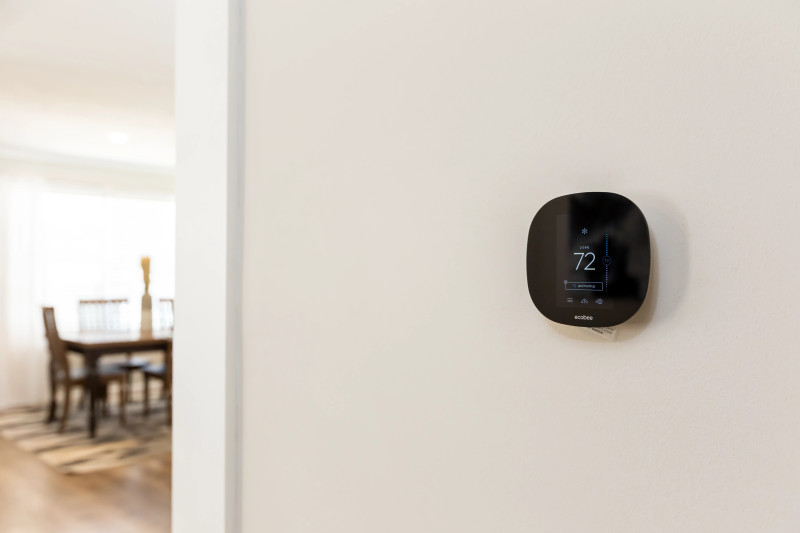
(397, 377)
(208, 268)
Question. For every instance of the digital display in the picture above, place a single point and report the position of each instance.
(583, 263)
(588, 259)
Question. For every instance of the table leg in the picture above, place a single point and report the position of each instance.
(51, 414)
(168, 380)
(92, 383)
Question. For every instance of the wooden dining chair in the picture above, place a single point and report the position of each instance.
(104, 315)
(161, 372)
(69, 378)
(166, 313)
(110, 315)
(158, 373)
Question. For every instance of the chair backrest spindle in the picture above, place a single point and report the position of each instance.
(103, 315)
(166, 312)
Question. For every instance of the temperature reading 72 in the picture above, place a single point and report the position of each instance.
(580, 259)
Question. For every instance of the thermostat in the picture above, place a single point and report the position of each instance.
(588, 259)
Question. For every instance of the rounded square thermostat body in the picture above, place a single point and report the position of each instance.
(588, 259)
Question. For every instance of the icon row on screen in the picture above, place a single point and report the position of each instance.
(598, 301)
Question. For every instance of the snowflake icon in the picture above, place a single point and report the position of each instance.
(584, 231)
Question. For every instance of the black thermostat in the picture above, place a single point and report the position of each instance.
(588, 259)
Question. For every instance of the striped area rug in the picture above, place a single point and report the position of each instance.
(73, 452)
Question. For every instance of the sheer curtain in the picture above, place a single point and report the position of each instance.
(60, 244)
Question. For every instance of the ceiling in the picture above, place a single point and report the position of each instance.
(71, 73)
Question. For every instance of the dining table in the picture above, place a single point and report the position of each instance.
(93, 345)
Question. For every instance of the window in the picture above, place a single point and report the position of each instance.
(92, 248)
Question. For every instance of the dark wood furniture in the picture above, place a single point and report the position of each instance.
(110, 315)
(159, 373)
(94, 345)
(68, 378)
(166, 313)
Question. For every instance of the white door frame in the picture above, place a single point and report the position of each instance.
(207, 352)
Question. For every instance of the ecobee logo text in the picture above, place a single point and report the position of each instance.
(584, 317)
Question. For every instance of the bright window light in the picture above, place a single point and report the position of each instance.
(118, 137)
(93, 245)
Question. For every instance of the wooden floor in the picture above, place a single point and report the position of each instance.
(34, 498)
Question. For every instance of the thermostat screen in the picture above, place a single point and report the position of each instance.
(583, 263)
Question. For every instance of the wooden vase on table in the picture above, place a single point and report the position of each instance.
(147, 300)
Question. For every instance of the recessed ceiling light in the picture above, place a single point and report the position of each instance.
(117, 137)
